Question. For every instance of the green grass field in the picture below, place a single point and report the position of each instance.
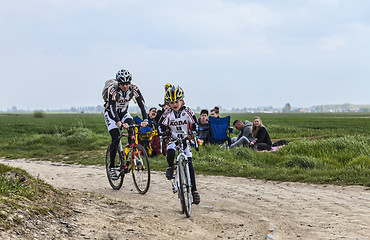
(323, 148)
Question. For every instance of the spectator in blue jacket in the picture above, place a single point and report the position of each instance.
(203, 125)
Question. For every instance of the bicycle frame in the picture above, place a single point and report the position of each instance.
(178, 184)
(132, 159)
(179, 161)
(135, 141)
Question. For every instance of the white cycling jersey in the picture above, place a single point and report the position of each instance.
(123, 98)
(178, 122)
(118, 102)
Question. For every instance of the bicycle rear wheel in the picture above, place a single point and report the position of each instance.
(181, 183)
(187, 190)
(115, 183)
(140, 169)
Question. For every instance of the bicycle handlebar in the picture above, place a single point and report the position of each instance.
(171, 139)
(129, 127)
(178, 139)
(164, 140)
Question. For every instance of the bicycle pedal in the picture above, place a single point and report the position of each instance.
(126, 169)
(174, 189)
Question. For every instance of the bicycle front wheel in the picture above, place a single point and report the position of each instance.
(117, 180)
(181, 183)
(187, 190)
(140, 169)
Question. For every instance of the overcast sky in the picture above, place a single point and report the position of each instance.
(229, 53)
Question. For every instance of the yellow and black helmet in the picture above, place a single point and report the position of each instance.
(167, 86)
(174, 93)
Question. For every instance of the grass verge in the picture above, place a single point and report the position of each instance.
(24, 197)
(344, 160)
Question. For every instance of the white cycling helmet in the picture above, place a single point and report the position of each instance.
(123, 76)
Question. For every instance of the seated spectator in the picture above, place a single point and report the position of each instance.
(245, 134)
(154, 139)
(263, 141)
(203, 124)
(164, 107)
(148, 136)
(152, 118)
(215, 112)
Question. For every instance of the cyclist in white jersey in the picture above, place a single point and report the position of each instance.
(116, 114)
(177, 122)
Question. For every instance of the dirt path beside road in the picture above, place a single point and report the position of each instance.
(231, 208)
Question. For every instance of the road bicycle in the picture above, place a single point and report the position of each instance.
(133, 158)
(181, 183)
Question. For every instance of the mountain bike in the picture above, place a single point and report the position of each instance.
(181, 183)
(133, 158)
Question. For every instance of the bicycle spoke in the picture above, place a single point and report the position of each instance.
(182, 176)
(141, 169)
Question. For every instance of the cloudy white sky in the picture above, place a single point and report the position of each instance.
(230, 53)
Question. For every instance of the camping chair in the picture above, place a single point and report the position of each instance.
(220, 130)
(148, 138)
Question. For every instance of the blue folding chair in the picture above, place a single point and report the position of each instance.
(220, 130)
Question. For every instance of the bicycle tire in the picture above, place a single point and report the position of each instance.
(181, 174)
(187, 193)
(141, 170)
(116, 184)
(196, 143)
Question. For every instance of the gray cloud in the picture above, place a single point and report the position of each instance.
(251, 53)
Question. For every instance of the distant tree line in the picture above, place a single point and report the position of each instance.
(347, 107)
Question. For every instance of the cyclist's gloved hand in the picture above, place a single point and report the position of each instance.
(125, 126)
(168, 132)
(119, 124)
